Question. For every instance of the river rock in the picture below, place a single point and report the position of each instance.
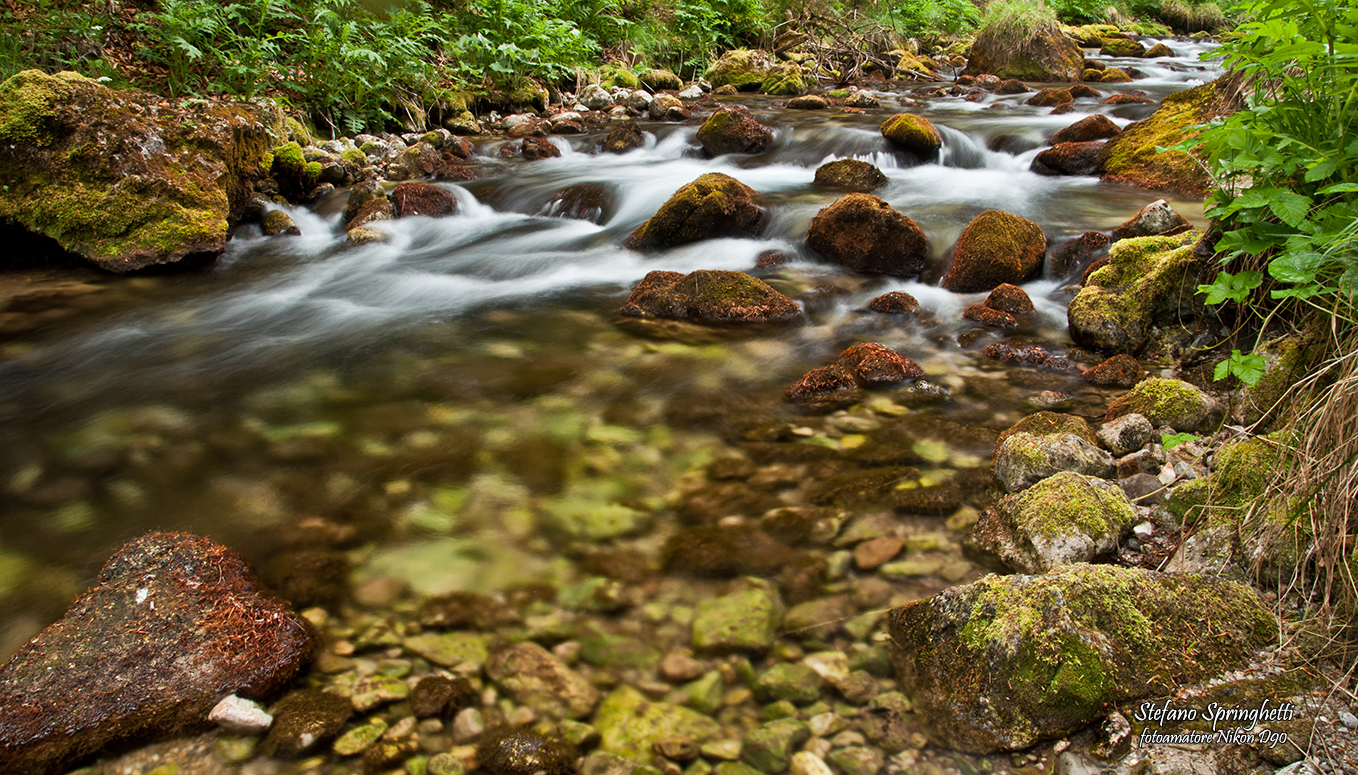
(175, 623)
(623, 137)
(808, 102)
(714, 205)
(769, 747)
(124, 179)
(1010, 298)
(1122, 371)
(1023, 459)
(1133, 157)
(1076, 253)
(372, 211)
(1171, 402)
(1152, 220)
(996, 247)
(744, 69)
(630, 725)
(1063, 519)
(827, 386)
(1121, 47)
(894, 303)
(277, 223)
(1007, 661)
(850, 174)
(304, 719)
(1068, 159)
(535, 148)
(1044, 423)
(422, 199)
(876, 365)
(743, 620)
(1146, 281)
(1051, 98)
(658, 79)
(520, 752)
(1049, 57)
(535, 677)
(667, 107)
(913, 134)
(865, 234)
(710, 296)
(1095, 127)
(595, 97)
(1126, 434)
(862, 99)
(733, 129)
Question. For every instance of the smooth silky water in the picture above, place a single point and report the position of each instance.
(447, 392)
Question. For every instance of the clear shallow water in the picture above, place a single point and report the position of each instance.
(465, 379)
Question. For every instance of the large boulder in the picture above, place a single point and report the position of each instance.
(745, 69)
(1069, 159)
(1064, 519)
(1049, 56)
(1148, 280)
(1007, 661)
(711, 296)
(1024, 459)
(850, 174)
(175, 623)
(785, 78)
(1134, 156)
(714, 205)
(124, 179)
(865, 234)
(1164, 401)
(996, 247)
(913, 134)
(422, 199)
(733, 129)
(1095, 127)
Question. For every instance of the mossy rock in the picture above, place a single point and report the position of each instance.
(630, 724)
(913, 134)
(116, 178)
(715, 205)
(1042, 423)
(996, 247)
(1005, 662)
(733, 129)
(1164, 401)
(1286, 359)
(710, 296)
(1049, 57)
(744, 620)
(1024, 459)
(864, 233)
(619, 76)
(784, 79)
(1240, 473)
(1063, 519)
(1134, 156)
(658, 79)
(744, 69)
(1121, 47)
(1146, 281)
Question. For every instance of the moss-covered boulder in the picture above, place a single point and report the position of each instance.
(1064, 519)
(709, 296)
(1044, 423)
(785, 78)
(658, 79)
(996, 247)
(745, 69)
(623, 137)
(667, 107)
(1171, 402)
(850, 174)
(913, 134)
(1145, 281)
(618, 76)
(1049, 56)
(124, 179)
(808, 102)
(714, 205)
(744, 620)
(1134, 156)
(1007, 661)
(733, 129)
(1121, 47)
(1286, 359)
(865, 234)
(1025, 459)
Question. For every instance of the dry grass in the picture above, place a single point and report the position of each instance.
(1010, 26)
(1311, 514)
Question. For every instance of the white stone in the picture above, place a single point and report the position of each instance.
(1144, 530)
(807, 763)
(637, 100)
(240, 716)
(594, 97)
(518, 118)
(862, 99)
(831, 665)
(468, 725)
(568, 115)
(691, 93)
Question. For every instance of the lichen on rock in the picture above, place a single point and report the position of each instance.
(1063, 519)
(1145, 281)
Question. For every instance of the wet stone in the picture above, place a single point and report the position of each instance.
(630, 725)
(303, 719)
(360, 738)
(241, 716)
(459, 650)
(605, 763)
(706, 694)
(857, 760)
(878, 551)
(1126, 434)
(440, 696)
(791, 682)
(175, 623)
(745, 620)
(535, 677)
(769, 747)
(894, 302)
(524, 753)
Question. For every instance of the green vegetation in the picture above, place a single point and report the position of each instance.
(1014, 24)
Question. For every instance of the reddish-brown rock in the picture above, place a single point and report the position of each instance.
(733, 129)
(1095, 127)
(1069, 159)
(535, 148)
(175, 623)
(1050, 98)
(989, 316)
(850, 174)
(1122, 371)
(711, 296)
(874, 365)
(865, 234)
(422, 199)
(1010, 298)
(714, 205)
(894, 303)
(1127, 98)
(1029, 354)
(1082, 91)
(826, 385)
(1076, 252)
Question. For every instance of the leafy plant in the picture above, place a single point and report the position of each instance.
(1248, 368)
(1172, 440)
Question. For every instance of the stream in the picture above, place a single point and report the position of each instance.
(450, 407)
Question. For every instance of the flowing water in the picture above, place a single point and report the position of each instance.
(443, 402)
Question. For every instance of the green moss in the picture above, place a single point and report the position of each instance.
(1164, 401)
(354, 157)
(744, 69)
(266, 163)
(297, 132)
(28, 103)
(1044, 423)
(288, 160)
(657, 78)
(311, 173)
(1146, 280)
(714, 205)
(1068, 502)
(613, 77)
(911, 132)
(1135, 156)
(784, 79)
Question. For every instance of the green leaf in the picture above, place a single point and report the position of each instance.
(1290, 208)
(1172, 440)
(1248, 368)
(1235, 287)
